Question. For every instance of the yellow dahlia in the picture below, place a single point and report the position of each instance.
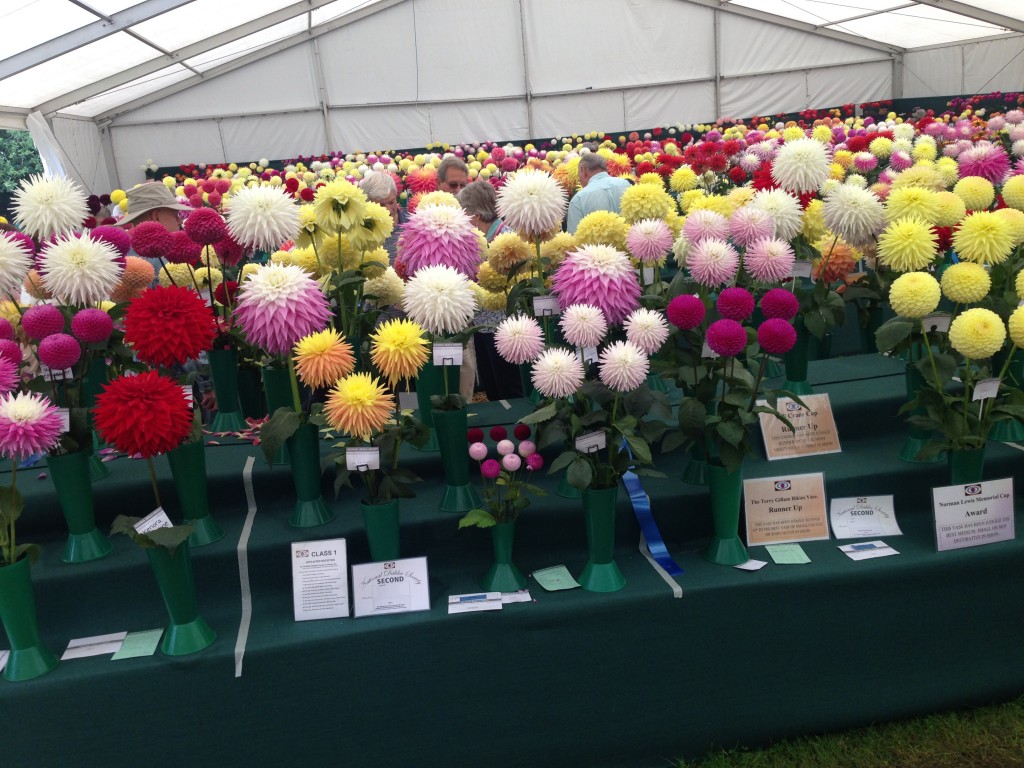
(844, 158)
(1015, 219)
(492, 301)
(924, 150)
(618, 165)
(687, 199)
(949, 169)
(651, 178)
(925, 176)
(645, 201)
(507, 251)
(951, 209)
(374, 263)
(176, 274)
(977, 333)
(322, 358)
(683, 179)
(914, 294)
(814, 221)
(976, 192)
(1016, 324)
(1019, 285)
(206, 278)
(602, 228)
(966, 282)
(880, 147)
(716, 203)
(739, 196)
(9, 311)
(675, 223)
(489, 279)
(907, 245)
(984, 238)
(1013, 192)
(373, 228)
(308, 228)
(911, 202)
(343, 258)
(339, 205)
(437, 197)
(359, 405)
(398, 349)
(554, 250)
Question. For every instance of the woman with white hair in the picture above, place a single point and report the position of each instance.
(379, 187)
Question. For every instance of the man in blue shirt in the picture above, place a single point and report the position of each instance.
(600, 192)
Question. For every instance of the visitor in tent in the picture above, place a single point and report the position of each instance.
(480, 202)
(452, 175)
(600, 192)
(379, 187)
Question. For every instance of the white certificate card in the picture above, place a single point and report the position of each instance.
(397, 586)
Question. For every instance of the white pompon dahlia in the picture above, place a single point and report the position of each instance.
(557, 373)
(79, 270)
(440, 299)
(855, 214)
(785, 210)
(801, 165)
(531, 202)
(262, 217)
(47, 205)
(647, 329)
(15, 262)
(623, 366)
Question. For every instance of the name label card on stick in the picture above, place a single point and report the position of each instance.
(591, 442)
(447, 354)
(860, 517)
(65, 419)
(362, 459)
(936, 323)
(789, 508)
(546, 306)
(408, 401)
(155, 519)
(397, 586)
(320, 579)
(801, 269)
(973, 514)
(815, 428)
(50, 374)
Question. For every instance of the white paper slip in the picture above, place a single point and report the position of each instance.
(408, 401)
(320, 579)
(506, 405)
(155, 519)
(937, 323)
(801, 269)
(545, 306)
(3, 659)
(65, 419)
(752, 565)
(985, 389)
(522, 596)
(867, 550)
(476, 601)
(49, 374)
(859, 517)
(447, 354)
(591, 442)
(397, 586)
(362, 459)
(587, 355)
(94, 646)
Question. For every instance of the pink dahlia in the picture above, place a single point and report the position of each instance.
(780, 303)
(183, 249)
(686, 311)
(534, 462)
(704, 224)
(865, 161)
(899, 160)
(712, 262)
(92, 326)
(10, 350)
(649, 240)
(478, 451)
(490, 469)
(748, 225)
(769, 261)
(41, 320)
(436, 235)
(599, 275)
(6, 329)
(984, 159)
(205, 226)
(151, 240)
(726, 338)
(9, 378)
(59, 351)
(29, 424)
(277, 305)
(519, 339)
(22, 241)
(583, 325)
(735, 303)
(116, 237)
(776, 336)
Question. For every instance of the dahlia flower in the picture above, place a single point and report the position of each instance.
(623, 366)
(602, 228)
(748, 225)
(373, 229)
(686, 311)
(1013, 192)
(531, 202)
(92, 326)
(59, 351)
(726, 338)
(965, 282)
(387, 289)
(11, 351)
(801, 165)
(15, 262)
(554, 250)
(145, 414)
(735, 303)
(519, 339)
(837, 260)
(1016, 326)
(712, 262)
(977, 193)
(205, 226)
(29, 425)
(986, 160)
(339, 206)
(168, 326)
(784, 209)
(683, 179)
(138, 275)
(769, 261)
(645, 201)
(914, 294)
(322, 358)
(506, 252)
(951, 209)
(150, 239)
(681, 250)
(1019, 285)
(557, 373)
(649, 240)
(780, 303)
(855, 214)
(229, 251)
(278, 305)
(703, 224)
(398, 349)
(977, 333)
(1015, 220)
(359, 405)
(9, 378)
(41, 320)
(647, 329)
(261, 217)
(912, 202)
(599, 275)
(983, 238)
(47, 206)
(907, 245)
(776, 336)
(583, 325)
(439, 235)
(176, 274)
(440, 299)
(182, 249)
(79, 270)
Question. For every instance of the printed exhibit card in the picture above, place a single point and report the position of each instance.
(973, 514)
(814, 428)
(320, 579)
(862, 517)
(789, 508)
(398, 586)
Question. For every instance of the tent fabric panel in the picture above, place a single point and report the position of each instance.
(670, 104)
(465, 49)
(273, 136)
(40, 21)
(854, 83)
(503, 120)
(764, 94)
(243, 46)
(133, 90)
(578, 113)
(818, 12)
(200, 19)
(374, 128)
(80, 140)
(750, 46)
(632, 43)
(371, 60)
(275, 84)
(994, 65)
(920, 25)
(164, 144)
(935, 72)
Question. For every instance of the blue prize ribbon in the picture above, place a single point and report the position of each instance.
(642, 509)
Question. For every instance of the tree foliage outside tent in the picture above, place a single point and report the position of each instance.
(18, 159)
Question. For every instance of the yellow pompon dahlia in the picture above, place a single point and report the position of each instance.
(206, 278)
(339, 206)
(374, 263)
(976, 192)
(687, 199)
(651, 178)
(921, 175)
(924, 150)
(914, 294)
(1015, 219)
(843, 158)
(343, 258)
(977, 333)
(966, 282)
(322, 358)
(554, 250)
(489, 279)
(1019, 285)
(1016, 325)
(949, 169)
(645, 201)
(683, 179)
(304, 258)
(911, 202)
(1013, 192)
(398, 349)
(814, 221)
(675, 223)
(359, 405)
(176, 274)
(716, 203)
(880, 147)
(602, 228)
(507, 251)
(246, 271)
(209, 256)
(951, 209)
(907, 245)
(983, 238)
(492, 301)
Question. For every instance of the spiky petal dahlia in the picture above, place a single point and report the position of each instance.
(45, 206)
(398, 349)
(440, 299)
(713, 262)
(438, 234)
(748, 225)
(145, 414)
(977, 333)
(907, 245)
(359, 405)
(557, 373)
(15, 262)
(855, 214)
(278, 305)
(649, 240)
(583, 325)
(801, 165)
(601, 276)
(769, 261)
(784, 209)
(168, 325)
(9, 378)
(79, 270)
(647, 329)
(262, 217)
(623, 366)
(532, 203)
(646, 201)
(983, 238)
(703, 223)
(519, 339)
(29, 424)
(322, 358)
(984, 159)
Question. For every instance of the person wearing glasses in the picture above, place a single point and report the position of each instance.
(452, 175)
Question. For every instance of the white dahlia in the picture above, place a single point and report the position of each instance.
(785, 210)
(47, 205)
(440, 299)
(583, 325)
(623, 366)
(531, 202)
(557, 373)
(802, 165)
(855, 214)
(647, 329)
(79, 270)
(262, 217)
(519, 339)
(15, 262)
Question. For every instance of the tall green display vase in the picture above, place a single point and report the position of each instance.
(224, 368)
(304, 451)
(431, 382)
(503, 575)
(250, 393)
(96, 375)
(382, 527)
(917, 438)
(695, 472)
(28, 656)
(459, 496)
(1009, 431)
(188, 632)
(966, 466)
(277, 386)
(601, 574)
(70, 475)
(725, 548)
(795, 361)
(188, 468)
(567, 490)
(526, 382)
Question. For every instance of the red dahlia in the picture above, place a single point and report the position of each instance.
(205, 226)
(151, 240)
(167, 326)
(145, 414)
(183, 250)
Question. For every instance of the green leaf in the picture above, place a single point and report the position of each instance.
(11, 503)
(541, 414)
(477, 517)
(564, 460)
(276, 430)
(639, 447)
(692, 415)
(732, 433)
(892, 332)
(580, 473)
(673, 440)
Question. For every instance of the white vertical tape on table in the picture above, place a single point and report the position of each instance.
(1018, 446)
(243, 567)
(677, 591)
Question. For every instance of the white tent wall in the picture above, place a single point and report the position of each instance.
(981, 67)
(82, 145)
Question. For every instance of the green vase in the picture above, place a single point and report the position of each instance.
(503, 576)
(188, 468)
(96, 375)
(566, 489)
(601, 574)
(70, 475)
(916, 438)
(867, 331)
(28, 656)
(277, 386)
(725, 548)
(250, 393)
(382, 527)
(966, 466)
(224, 369)
(526, 382)
(695, 472)
(310, 508)
(188, 632)
(796, 359)
(1010, 430)
(431, 382)
(459, 496)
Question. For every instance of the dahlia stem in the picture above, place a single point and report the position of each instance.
(295, 386)
(209, 283)
(152, 479)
